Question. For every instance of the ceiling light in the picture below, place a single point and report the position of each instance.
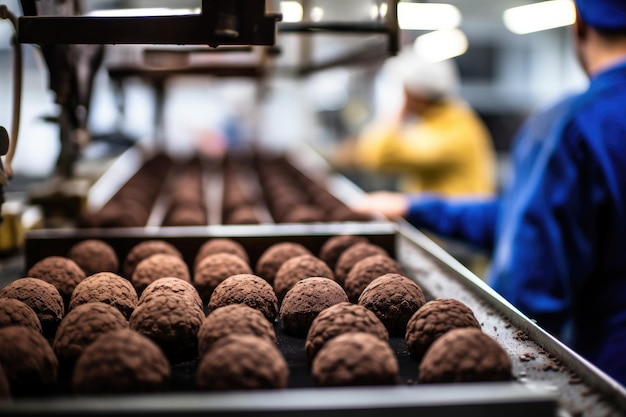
(539, 16)
(292, 11)
(441, 44)
(428, 16)
(317, 14)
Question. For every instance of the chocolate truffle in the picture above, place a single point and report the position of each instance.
(296, 269)
(121, 362)
(93, 256)
(186, 216)
(304, 214)
(145, 249)
(28, 361)
(367, 270)
(61, 272)
(221, 245)
(306, 300)
(214, 269)
(157, 266)
(5, 389)
(336, 245)
(83, 325)
(355, 358)
(342, 318)
(172, 322)
(42, 297)
(233, 319)
(394, 298)
(108, 288)
(243, 362)
(243, 215)
(465, 355)
(16, 313)
(352, 255)
(434, 319)
(171, 286)
(273, 257)
(247, 289)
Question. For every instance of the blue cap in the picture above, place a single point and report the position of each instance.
(603, 14)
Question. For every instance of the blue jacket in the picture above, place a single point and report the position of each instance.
(558, 230)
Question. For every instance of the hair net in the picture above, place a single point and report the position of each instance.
(603, 14)
(421, 77)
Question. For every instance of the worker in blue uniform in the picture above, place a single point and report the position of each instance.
(558, 230)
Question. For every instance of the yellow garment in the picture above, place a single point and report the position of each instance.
(447, 151)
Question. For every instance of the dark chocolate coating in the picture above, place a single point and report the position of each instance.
(434, 319)
(214, 269)
(273, 257)
(122, 362)
(355, 359)
(81, 326)
(338, 319)
(42, 297)
(247, 289)
(28, 361)
(61, 272)
(233, 319)
(352, 255)
(336, 245)
(367, 270)
(296, 269)
(172, 322)
(108, 288)
(465, 355)
(306, 300)
(221, 245)
(16, 313)
(142, 250)
(243, 362)
(157, 266)
(171, 286)
(93, 256)
(394, 299)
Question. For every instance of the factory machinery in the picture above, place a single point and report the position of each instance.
(549, 378)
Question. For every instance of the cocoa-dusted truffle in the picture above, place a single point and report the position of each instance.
(93, 256)
(42, 297)
(355, 358)
(121, 362)
(172, 322)
(157, 266)
(465, 355)
(59, 271)
(233, 319)
(304, 214)
(171, 286)
(82, 326)
(367, 270)
(147, 248)
(434, 319)
(214, 269)
(298, 268)
(5, 389)
(243, 215)
(108, 288)
(16, 313)
(394, 298)
(247, 289)
(221, 245)
(243, 362)
(336, 245)
(354, 254)
(28, 361)
(273, 257)
(342, 318)
(306, 300)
